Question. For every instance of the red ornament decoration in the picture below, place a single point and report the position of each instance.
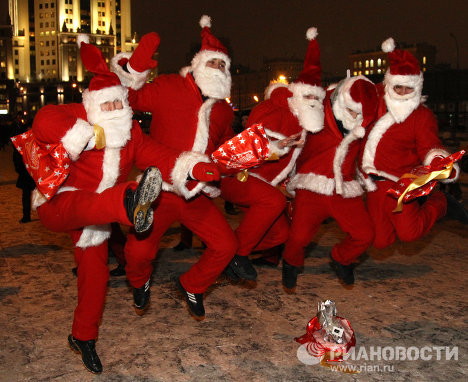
(48, 165)
(247, 149)
(422, 179)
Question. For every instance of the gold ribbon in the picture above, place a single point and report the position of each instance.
(421, 181)
(242, 176)
(99, 137)
(273, 156)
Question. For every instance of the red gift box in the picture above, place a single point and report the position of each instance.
(49, 165)
(422, 179)
(247, 149)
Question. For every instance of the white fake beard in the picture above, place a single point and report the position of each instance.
(212, 82)
(117, 124)
(350, 123)
(401, 106)
(309, 113)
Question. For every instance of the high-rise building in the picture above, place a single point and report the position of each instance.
(44, 36)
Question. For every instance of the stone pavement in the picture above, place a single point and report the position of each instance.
(409, 299)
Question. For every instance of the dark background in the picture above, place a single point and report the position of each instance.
(270, 28)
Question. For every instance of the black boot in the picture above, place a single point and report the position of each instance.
(344, 272)
(87, 349)
(289, 273)
(118, 271)
(138, 202)
(141, 298)
(243, 268)
(194, 302)
(455, 210)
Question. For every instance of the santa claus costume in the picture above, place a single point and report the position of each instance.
(405, 136)
(188, 113)
(285, 112)
(326, 184)
(103, 147)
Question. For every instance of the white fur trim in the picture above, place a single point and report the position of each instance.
(388, 45)
(302, 89)
(436, 152)
(134, 80)
(272, 87)
(311, 33)
(338, 160)
(365, 181)
(321, 184)
(185, 70)
(205, 21)
(275, 149)
(76, 138)
(379, 129)
(181, 170)
(206, 55)
(82, 38)
(413, 81)
(110, 169)
(211, 191)
(291, 166)
(37, 199)
(203, 126)
(94, 235)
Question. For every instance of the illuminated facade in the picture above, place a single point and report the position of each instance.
(44, 36)
(376, 62)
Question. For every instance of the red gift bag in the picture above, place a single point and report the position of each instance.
(422, 179)
(49, 165)
(247, 149)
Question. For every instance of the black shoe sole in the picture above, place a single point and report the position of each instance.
(146, 193)
(74, 347)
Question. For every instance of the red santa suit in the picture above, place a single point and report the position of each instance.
(184, 119)
(404, 136)
(92, 196)
(283, 113)
(326, 182)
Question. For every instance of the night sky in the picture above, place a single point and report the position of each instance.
(273, 28)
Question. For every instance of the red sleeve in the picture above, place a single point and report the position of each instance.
(221, 121)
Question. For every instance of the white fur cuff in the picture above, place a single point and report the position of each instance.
(182, 169)
(77, 138)
(134, 80)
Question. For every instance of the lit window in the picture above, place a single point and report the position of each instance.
(379, 71)
(371, 63)
(367, 64)
(424, 60)
(355, 73)
(360, 65)
(379, 62)
(384, 62)
(366, 72)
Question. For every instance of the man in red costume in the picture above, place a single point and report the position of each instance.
(326, 184)
(188, 113)
(288, 111)
(405, 136)
(103, 144)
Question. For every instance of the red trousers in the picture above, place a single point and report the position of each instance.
(412, 223)
(311, 209)
(264, 224)
(70, 212)
(201, 216)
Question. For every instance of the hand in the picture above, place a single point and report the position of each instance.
(292, 140)
(142, 57)
(206, 172)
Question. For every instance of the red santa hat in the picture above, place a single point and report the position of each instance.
(403, 68)
(105, 85)
(309, 80)
(358, 94)
(211, 47)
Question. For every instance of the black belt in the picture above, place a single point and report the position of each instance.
(376, 178)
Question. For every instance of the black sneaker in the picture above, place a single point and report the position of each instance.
(138, 202)
(87, 349)
(243, 268)
(141, 298)
(344, 272)
(194, 302)
(289, 280)
(118, 271)
(455, 210)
